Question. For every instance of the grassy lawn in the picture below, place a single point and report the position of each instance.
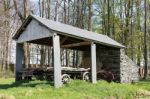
(74, 90)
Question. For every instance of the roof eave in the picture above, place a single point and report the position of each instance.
(97, 42)
(111, 45)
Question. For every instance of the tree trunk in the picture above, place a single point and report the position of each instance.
(145, 41)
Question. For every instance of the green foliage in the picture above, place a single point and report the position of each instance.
(125, 22)
(75, 90)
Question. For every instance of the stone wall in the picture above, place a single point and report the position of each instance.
(128, 69)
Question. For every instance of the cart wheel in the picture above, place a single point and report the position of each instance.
(65, 78)
(86, 76)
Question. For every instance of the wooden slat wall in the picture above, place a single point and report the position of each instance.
(107, 58)
(34, 31)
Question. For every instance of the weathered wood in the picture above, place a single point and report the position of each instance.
(108, 59)
(93, 62)
(74, 73)
(70, 31)
(57, 61)
(63, 40)
(34, 31)
(75, 44)
(19, 58)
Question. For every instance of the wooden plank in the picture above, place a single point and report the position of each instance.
(75, 44)
(19, 58)
(34, 31)
(57, 61)
(93, 61)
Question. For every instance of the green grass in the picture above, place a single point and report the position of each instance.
(74, 90)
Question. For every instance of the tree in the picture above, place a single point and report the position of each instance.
(5, 32)
(145, 41)
(22, 17)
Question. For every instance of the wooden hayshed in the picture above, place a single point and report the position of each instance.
(47, 32)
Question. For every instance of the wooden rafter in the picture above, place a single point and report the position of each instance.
(61, 42)
(75, 44)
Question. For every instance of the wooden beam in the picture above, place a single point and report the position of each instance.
(19, 58)
(93, 61)
(23, 28)
(75, 44)
(57, 61)
(63, 40)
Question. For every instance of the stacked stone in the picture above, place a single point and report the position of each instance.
(128, 69)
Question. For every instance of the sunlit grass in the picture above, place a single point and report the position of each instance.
(75, 90)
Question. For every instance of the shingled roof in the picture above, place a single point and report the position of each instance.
(69, 30)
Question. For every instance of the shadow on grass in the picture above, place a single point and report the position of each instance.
(143, 80)
(25, 83)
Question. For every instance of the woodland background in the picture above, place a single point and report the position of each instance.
(126, 21)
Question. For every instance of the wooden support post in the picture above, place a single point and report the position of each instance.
(57, 62)
(19, 59)
(93, 63)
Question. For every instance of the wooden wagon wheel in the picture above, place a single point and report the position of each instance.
(86, 76)
(65, 78)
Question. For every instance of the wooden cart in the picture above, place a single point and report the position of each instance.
(68, 73)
